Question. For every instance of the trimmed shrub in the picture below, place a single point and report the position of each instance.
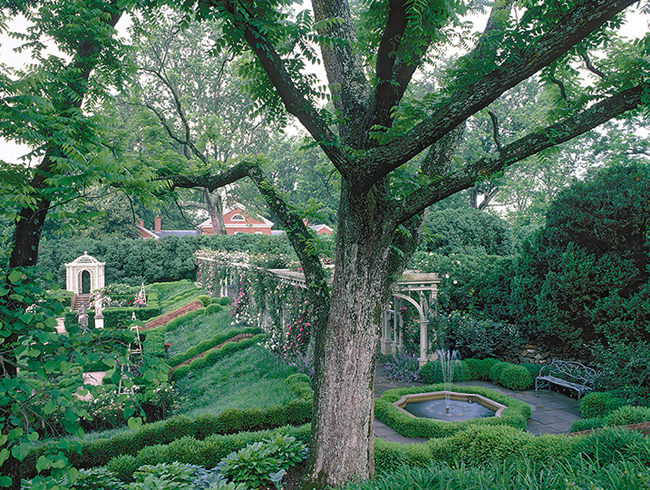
(515, 377)
(600, 404)
(116, 317)
(391, 455)
(205, 300)
(611, 444)
(180, 371)
(514, 415)
(495, 371)
(533, 369)
(213, 308)
(431, 372)
(276, 416)
(179, 426)
(478, 368)
(123, 466)
(298, 411)
(628, 415)
(479, 445)
(224, 301)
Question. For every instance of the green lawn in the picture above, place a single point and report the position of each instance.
(249, 378)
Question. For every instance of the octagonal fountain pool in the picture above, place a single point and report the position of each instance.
(449, 406)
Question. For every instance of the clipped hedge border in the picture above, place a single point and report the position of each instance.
(207, 452)
(162, 320)
(516, 377)
(213, 356)
(514, 415)
(98, 452)
(119, 317)
(208, 344)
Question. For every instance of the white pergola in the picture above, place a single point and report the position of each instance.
(424, 286)
(74, 272)
(418, 289)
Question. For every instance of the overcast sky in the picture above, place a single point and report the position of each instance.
(637, 26)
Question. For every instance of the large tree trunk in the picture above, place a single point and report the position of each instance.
(30, 221)
(214, 204)
(341, 447)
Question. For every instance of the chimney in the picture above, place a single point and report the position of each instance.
(157, 226)
(141, 223)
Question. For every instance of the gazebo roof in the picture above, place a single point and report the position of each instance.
(85, 259)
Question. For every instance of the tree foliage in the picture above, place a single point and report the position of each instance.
(466, 230)
(585, 275)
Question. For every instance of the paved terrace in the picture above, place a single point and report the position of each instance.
(552, 413)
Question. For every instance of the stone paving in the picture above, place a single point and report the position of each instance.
(552, 413)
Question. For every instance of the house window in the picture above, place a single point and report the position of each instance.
(237, 217)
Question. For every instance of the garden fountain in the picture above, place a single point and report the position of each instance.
(457, 406)
(448, 361)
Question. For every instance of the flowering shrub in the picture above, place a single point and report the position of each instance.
(263, 300)
(107, 410)
(292, 340)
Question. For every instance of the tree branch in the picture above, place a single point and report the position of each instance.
(181, 113)
(299, 235)
(560, 85)
(582, 19)
(350, 89)
(388, 91)
(213, 181)
(531, 144)
(495, 129)
(293, 99)
(591, 67)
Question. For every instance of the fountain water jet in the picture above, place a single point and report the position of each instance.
(448, 361)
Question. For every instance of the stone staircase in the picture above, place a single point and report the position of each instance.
(80, 299)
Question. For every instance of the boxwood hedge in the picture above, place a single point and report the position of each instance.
(514, 415)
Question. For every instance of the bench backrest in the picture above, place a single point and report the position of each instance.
(570, 371)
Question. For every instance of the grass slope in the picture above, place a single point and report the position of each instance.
(196, 329)
(249, 378)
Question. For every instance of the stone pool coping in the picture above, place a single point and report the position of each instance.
(498, 408)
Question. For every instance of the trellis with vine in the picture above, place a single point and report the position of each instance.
(263, 299)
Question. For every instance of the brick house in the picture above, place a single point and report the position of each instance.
(236, 220)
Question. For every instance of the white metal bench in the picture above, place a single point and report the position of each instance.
(572, 375)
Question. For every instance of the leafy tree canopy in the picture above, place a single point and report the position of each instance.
(585, 276)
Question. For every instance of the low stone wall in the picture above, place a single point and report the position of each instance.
(527, 353)
(167, 317)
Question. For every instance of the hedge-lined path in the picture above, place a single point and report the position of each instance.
(552, 413)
